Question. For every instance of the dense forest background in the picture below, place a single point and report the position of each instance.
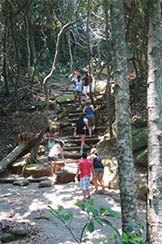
(44, 41)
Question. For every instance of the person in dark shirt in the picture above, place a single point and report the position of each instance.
(98, 169)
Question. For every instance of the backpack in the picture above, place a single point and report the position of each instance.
(80, 125)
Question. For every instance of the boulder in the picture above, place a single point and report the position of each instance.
(65, 98)
(67, 173)
(139, 122)
(142, 187)
(139, 139)
(8, 237)
(47, 183)
(19, 232)
(21, 182)
(17, 167)
(37, 170)
(141, 157)
(111, 178)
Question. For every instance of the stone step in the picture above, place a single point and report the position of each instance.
(75, 148)
(75, 114)
(67, 161)
(72, 155)
(87, 140)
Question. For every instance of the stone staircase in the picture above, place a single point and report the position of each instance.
(72, 143)
(65, 171)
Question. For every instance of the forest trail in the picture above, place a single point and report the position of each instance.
(27, 206)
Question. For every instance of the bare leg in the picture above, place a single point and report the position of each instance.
(84, 195)
(90, 130)
(88, 193)
(51, 165)
(80, 102)
(100, 179)
(95, 182)
(75, 97)
(82, 142)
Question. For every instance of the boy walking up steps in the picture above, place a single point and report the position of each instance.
(85, 168)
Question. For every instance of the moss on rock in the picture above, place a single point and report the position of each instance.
(139, 140)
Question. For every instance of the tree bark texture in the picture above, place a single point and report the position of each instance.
(108, 54)
(123, 119)
(14, 37)
(154, 104)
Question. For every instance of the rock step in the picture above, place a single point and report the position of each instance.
(90, 140)
(71, 108)
(67, 161)
(72, 155)
(77, 114)
(75, 148)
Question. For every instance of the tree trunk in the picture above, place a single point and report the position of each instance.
(5, 73)
(24, 144)
(154, 104)
(16, 49)
(108, 86)
(26, 22)
(123, 120)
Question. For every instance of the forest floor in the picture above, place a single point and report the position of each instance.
(27, 207)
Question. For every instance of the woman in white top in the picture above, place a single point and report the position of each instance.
(54, 152)
(78, 89)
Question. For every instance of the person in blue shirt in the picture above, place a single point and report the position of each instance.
(89, 111)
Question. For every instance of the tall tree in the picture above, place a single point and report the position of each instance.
(108, 58)
(123, 119)
(154, 104)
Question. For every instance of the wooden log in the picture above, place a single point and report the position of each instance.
(26, 141)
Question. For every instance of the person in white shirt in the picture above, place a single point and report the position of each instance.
(78, 89)
(54, 153)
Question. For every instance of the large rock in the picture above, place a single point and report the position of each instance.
(37, 170)
(111, 178)
(8, 237)
(139, 122)
(141, 158)
(48, 183)
(139, 139)
(67, 173)
(21, 182)
(17, 167)
(65, 98)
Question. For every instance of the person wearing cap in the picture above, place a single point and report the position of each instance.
(55, 151)
(85, 168)
(98, 169)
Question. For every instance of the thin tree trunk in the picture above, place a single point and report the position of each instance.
(27, 42)
(5, 73)
(154, 104)
(108, 86)
(70, 51)
(16, 49)
(89, 50)
(123, 120)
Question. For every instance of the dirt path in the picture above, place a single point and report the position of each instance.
(28, 207)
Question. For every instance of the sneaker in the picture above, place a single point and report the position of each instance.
(85, 145)
(81, 151)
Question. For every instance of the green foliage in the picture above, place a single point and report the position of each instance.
(98, 215)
